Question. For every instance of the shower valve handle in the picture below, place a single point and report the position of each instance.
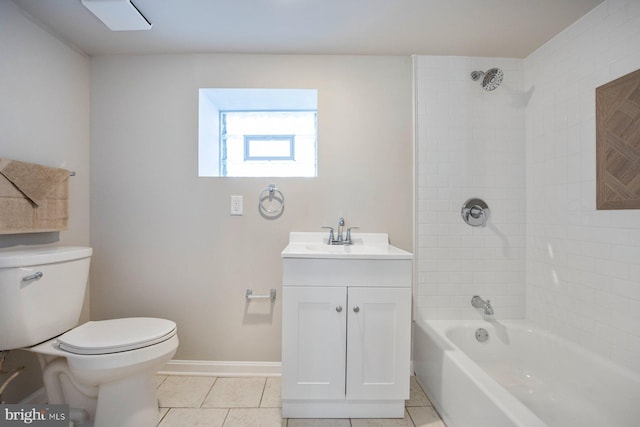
(475, 212)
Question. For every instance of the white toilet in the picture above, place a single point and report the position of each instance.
(105, 369)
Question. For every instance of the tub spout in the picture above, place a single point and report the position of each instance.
(478, 302)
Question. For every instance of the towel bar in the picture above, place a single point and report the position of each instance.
(250, 296)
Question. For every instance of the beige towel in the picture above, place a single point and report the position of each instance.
(35, 181)
(33, 198)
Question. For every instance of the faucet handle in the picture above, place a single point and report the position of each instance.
(348, 238)
(331, 237)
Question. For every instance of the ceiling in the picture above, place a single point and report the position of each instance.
(496, 28)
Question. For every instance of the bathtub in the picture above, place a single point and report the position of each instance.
(521, 376)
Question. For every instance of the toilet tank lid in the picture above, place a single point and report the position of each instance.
(24, 257)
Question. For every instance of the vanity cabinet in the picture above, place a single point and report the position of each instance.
(346, 337)
(346, 342)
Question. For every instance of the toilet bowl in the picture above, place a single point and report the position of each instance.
(106, 369)
(110, 368)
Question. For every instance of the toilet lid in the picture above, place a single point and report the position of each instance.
(116, 335)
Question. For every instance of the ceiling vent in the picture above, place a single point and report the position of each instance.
(118, 15)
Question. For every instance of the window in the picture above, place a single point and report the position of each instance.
(269, 147)
(258, 132)
(268, 143)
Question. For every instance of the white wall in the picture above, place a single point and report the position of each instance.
(165, 244)
(583, 272)
(469, 143)
(44, 118)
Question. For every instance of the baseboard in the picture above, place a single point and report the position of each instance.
(221, 369)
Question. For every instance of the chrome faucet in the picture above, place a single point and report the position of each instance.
(478, 302)
(340, 240)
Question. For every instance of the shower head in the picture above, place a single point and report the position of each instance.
(492, 78)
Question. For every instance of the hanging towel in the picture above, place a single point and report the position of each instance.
(35, 181)
(33, 198)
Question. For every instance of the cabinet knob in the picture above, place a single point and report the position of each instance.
(339, 308)
(356, 309)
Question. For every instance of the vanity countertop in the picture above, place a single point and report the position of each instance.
(364, 246)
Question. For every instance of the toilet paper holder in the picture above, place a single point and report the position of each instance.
(249, 294)
(475, 212)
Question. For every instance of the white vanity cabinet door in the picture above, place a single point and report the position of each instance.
(313, 342)
(379, 343)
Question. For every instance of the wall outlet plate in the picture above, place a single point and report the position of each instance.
(236, 205)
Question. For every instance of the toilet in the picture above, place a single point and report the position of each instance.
(104, 370)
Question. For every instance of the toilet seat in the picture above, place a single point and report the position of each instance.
(116, 335)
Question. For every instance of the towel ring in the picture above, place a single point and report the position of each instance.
(270, 194)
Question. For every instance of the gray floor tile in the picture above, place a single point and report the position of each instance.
(425, 416)
(325, 422)
(254, 417)
(383, 422)
(184, 392)
(235, 393)
(417, 397)
(255, 402)
(271, 394)
(194, 417)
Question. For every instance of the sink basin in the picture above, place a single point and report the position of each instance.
(365, 246)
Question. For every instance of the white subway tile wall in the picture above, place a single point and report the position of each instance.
(583, 265)
(528, 149)
(470, 143)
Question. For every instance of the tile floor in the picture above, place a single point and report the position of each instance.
(255, 402)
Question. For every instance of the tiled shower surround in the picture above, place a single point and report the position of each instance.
(470, 144)
(528, 149)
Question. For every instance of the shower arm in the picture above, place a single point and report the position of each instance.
(475, 75)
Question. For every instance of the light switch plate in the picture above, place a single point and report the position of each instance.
(236, 205)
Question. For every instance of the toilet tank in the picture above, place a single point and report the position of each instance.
(41, 293)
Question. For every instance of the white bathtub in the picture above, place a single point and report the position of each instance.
(521, 376)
